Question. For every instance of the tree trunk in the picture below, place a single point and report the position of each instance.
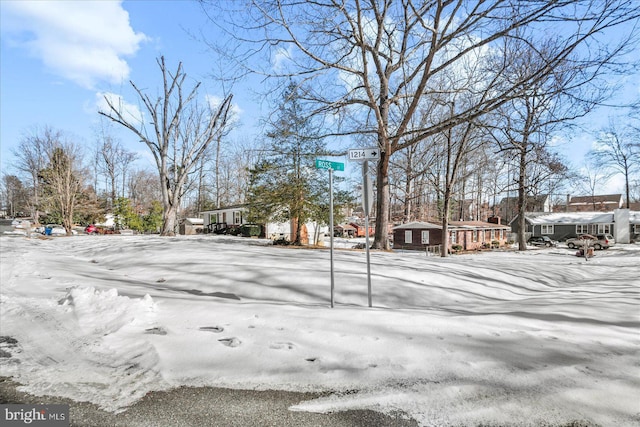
(444, 249)
(522, 200)
(169, 216)
(381, 240)
(626, 182)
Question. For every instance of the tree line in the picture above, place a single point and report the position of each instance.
(463, 99)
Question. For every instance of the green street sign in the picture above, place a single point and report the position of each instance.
(326, 164)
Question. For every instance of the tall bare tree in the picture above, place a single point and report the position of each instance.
(618, 151)
(181, 131)
(376, 60)
(63, 178)
(31, 159)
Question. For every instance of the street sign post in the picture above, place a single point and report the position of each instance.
(364, 155)
(330, 166)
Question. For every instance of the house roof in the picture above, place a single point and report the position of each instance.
(194, 221)
(598, 199)
(476, 224)
(457, 225)
(417, 225)
(346, 227)
(571, 218)
(226, 208)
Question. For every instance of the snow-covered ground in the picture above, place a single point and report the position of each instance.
(497, 338)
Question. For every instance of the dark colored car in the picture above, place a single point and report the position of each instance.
(541, 241)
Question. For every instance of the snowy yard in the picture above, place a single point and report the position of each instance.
(497, 338)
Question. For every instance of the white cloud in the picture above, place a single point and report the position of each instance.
(215, 101)
(281, 58)
(83, 41)
(130, 112)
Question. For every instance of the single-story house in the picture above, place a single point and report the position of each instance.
(220, 220)
(564, 225)
(469, 235)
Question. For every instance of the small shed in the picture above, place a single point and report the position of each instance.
(192, 226)
(344, 230)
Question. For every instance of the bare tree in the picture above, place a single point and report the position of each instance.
(63, 178)
(376, 60)
(31, 159)
(181, 131)
(618, 151)
(14, 195)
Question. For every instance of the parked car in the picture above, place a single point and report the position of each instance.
(91, 229)
(599, 241)
(541, 241)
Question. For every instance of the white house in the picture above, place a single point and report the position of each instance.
(232, 217)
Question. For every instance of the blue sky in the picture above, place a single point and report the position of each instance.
(59, 58)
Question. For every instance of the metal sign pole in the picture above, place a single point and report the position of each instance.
(331, 230)
(367, 203)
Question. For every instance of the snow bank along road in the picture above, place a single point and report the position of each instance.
(499, 338)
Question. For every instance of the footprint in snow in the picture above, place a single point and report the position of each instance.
(216, 329)
(158, 330)
(282, 346)
(230, 342)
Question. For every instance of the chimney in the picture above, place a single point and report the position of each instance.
(568, 201)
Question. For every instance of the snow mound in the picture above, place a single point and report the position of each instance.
(92, 345)
(105, 312)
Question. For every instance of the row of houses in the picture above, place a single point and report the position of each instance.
(623, 224)
(507, 207)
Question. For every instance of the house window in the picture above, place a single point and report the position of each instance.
(604, 228)
(493, 235)
(237, 217)
(475, 235)
(425, 237)
(636, 229)
(408, 236)
(582, 229)
(546, 229)
(453, 237)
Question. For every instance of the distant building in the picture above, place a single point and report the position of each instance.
(507, 209)
(596, 203)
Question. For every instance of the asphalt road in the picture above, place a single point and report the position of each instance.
(207, 406)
